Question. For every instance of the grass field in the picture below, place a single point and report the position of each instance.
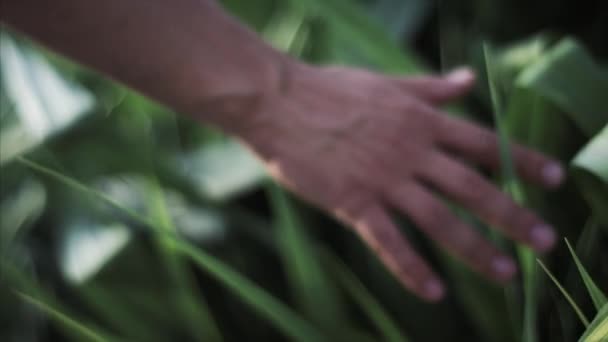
(122, 220)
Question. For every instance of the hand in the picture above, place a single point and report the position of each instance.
(356, 143)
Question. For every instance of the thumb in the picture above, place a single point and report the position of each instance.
(443, 89)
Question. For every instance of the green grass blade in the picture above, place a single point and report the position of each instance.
(117, 315)
(594, 156)
(598, 297)
(75, 327)
(71, 183)
(369, 305)
(285, 319)
(512, 187)
(507, 169)
(530, 283)
(590, 169)
(568, 76)
(597, 331)
(270, 308)
(578, 311)
(483, 302)
(353, 26)
(28, 291)
(284, 29)
(189, 301)
(314, 293)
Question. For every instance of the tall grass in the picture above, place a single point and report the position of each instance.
(279, 268)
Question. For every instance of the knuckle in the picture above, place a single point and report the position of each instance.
(476, 191)
(466, 242)
(480, 252)
(508, 214)
(523, 222)
(439, 218)
(485, 137)
(530, 161)
(350, 205)
(413, 271)
(381, 91)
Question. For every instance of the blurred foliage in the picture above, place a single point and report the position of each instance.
(123, 220)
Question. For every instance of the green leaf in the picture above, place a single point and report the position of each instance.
(568, 76)
(401, 18)
(272, 309)
(369, 305)
(23, 207)
(284, 28)
(43, 101)
(28, 290)
(221, 170)
(507, 169)
(514, 189)
(255, 13)
(313, 291)
(286, 320)
(72, 183)
(484, 303)
(578, 311)
(591, 171)
(598, 297)
(597, 331)
(74, 326)
(117, 313)
(359, 32)
(190, 302)
(594, 157)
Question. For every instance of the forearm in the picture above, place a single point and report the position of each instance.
(187, 54)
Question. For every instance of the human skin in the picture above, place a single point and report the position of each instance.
(352, 142)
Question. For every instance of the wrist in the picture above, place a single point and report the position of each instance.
(238, 106)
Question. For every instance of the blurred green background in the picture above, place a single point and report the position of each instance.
(122, 220)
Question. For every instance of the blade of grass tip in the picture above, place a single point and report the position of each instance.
(74, 327)
(578, 311)
(369, 305)
(507, 169)
(597, 331)
(597, 296)
(190, 302)
(512, 187)
(285, 319)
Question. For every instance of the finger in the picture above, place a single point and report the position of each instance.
(481, 145)
(436, 220)
(377, 230)
(440, 90)
(472, 191)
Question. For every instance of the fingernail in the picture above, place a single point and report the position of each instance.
(553, 174)
(460, 75)
(543, 237)
(504, 267)
(434, 290)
